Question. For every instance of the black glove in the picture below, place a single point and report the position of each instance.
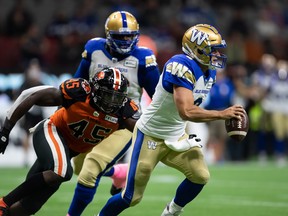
(4, 139)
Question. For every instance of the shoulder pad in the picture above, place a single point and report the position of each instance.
(76, 89)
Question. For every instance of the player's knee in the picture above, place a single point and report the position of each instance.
(143, 174)
(142, 177)
(132, 200)
(202, 176)
(89, 173)
(87, 178)
(53, 179)
(135, 201)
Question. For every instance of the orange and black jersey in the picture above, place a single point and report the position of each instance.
(83, 125)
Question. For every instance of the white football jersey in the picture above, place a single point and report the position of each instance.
(140, 67)
(161, 118)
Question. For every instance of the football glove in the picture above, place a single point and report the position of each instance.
(4, 139)
(129, 110)
(184, 144)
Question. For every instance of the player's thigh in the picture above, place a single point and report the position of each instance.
(191, 163)
(103, 156)
(112, 147)
(146, 153)
(52, 154)
(78, 162)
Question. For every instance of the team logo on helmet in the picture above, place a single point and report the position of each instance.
(201, 42)
(122, 32)
(198, 37)
(85, 85)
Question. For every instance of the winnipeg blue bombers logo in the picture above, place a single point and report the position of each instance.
(198, 36)
(151, 145)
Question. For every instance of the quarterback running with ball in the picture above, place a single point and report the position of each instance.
(160, 135)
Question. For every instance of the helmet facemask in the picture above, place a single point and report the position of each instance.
(215, 59)
(117, 42)
(122, 32)
(109, 101)
(109, 90)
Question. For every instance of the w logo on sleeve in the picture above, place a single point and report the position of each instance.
(151, 145)
(198, 37)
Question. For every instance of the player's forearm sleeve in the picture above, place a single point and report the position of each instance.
(23, 96)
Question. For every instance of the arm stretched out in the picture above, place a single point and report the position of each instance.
(40, 95)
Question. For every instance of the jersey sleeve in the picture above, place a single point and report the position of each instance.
(177, 72)
(149, 79)
(83, 69)
(74, 90)
(84, 66)
(149, 73)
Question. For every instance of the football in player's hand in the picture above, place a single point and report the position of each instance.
(237, 129)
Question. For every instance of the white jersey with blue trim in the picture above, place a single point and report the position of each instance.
(139, 61)
(161, 118)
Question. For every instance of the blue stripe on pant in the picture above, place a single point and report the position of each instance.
(116, 204)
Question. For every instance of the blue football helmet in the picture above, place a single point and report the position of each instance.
(122, 32)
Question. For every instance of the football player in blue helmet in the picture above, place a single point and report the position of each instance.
(201, 43)
(138, 64)
(200, 49)
(122, 32)
(159, 134)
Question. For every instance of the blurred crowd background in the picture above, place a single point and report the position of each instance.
(41, 42)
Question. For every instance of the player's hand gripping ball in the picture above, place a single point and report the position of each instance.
(237, 129)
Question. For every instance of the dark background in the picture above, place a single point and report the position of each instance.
(55, 31)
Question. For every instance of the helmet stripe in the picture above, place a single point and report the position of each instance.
(124, 19)
(117, 79)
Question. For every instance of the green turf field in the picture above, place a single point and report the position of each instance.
(245, 189)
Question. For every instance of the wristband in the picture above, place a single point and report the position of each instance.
(7, 127)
